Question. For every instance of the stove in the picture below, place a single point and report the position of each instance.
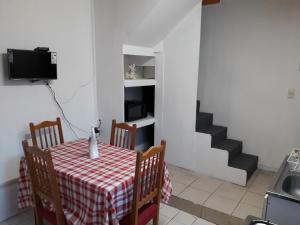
(255, 221)
(261, 222)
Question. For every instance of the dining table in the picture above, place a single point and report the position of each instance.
(93, 191)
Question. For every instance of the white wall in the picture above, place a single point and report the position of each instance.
(159, 19)
(135, 22)
(66, 27)
(108, 36)
(250, 56)
(181, 53)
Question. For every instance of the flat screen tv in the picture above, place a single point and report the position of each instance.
(31, 65)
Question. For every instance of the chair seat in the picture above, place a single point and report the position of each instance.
(146, 213)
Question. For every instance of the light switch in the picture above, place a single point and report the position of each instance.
(291, 93)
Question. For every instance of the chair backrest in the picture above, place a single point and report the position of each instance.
(123, 135)
(148, 178)
(49, 133)
(43, 179)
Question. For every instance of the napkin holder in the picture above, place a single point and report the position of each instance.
(93, 148)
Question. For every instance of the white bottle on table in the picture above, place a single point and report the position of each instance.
(93, 148)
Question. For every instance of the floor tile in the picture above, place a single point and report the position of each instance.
(163, 220)
(267, 173)
(172, 169)
(215, 216)
(261, 182)
(186, 206)
(231, 191)
(169, 211)
(258, 186)
(195, 195)
(244, 210)
(200, 221)
(236, 221)
(183, 178)
(21, 218)
(221, 204)
(264, 178)
(178, 188)
(173, 222)
(252, 178)
(253, 199)
(3, 223)
(161, 205)
(207, 184)
(184, 218)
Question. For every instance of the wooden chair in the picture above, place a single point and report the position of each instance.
(123, 135)
(147, 187)
(48, 133)
(44, 185)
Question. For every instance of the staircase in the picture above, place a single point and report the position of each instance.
(236, 158)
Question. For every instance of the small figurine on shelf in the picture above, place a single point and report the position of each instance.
(131, 74)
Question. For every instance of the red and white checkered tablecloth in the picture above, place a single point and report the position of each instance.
(95, 191)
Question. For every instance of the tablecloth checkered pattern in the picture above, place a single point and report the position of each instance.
(95, 191)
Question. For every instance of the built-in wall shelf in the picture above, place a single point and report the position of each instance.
(139, 82)
(143, 122)
(139, 93)
(137, 50)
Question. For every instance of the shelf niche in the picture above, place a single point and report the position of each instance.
(145, 138)
(145, 66)
(140, 90)
(145, 131)
(144, 94)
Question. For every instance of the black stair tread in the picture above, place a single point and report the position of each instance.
(198, 106)
(203, 114)
(245, 162)
(203, 120)
(233, 147)
(212, 130)
(218, 133)
(229, 145)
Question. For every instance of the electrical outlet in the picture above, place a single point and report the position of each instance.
(291, 93)
(98, 127)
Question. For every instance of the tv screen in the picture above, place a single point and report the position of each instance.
(31, 65)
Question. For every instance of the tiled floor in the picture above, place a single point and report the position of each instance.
(221, 196)
(25, 218)
(173, 216)
(216, 197)
(168, 215)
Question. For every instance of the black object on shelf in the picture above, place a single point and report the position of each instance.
(135, 110)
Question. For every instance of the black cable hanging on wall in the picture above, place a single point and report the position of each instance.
(71, 125)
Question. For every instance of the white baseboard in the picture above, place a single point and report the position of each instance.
(267, 168)
(8, 199)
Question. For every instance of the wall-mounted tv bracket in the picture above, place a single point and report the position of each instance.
(41, 49)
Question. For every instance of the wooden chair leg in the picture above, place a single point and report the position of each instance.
(37, 204)
(37, 218)
(156, 219)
